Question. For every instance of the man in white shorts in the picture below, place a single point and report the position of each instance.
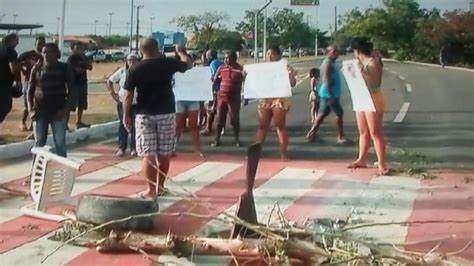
(155, 121)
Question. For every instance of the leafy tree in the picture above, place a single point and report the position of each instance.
(247, 26)
(204, 26)
(281, 25)
(228, 40)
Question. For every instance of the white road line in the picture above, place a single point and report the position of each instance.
(403, 112)
(393, 72)
(409, 88)
(422, 68)
(193, 180)
(386, 199)
(401, 77)
(285, 188)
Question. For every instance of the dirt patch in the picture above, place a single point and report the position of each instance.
(101, 109)
(101, 71)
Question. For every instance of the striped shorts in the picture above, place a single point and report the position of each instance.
(155, 134)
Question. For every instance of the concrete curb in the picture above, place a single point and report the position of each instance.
(428, 64)
(20, 149)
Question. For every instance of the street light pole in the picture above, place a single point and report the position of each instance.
(316, 47)
(131, 28)
(110, 23)
(1, 17)
(255, 37)
(59, 22)
(61, 36)
(255, 53)
(264, 33)
(14, 18)
(138, 27)
(95, 27)
(151, 25)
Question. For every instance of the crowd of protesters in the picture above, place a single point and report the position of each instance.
(147, 109)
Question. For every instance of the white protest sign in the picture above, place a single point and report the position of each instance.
(267, 80)
(193, 85)
(361, 99)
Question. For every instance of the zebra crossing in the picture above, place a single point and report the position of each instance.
(303, 189)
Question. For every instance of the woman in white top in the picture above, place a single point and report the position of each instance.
(119, 78)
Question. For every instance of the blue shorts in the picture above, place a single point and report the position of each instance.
(187, 106)
(325, 107)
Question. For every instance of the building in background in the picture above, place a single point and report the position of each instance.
(169, 38)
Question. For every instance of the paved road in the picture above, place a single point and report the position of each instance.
(438, 123)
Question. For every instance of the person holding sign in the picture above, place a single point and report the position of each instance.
(189, 110)
(329, 93)
(231, 76)
(370, 123)
(276, 108)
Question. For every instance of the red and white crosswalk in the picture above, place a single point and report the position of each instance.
(303, 189)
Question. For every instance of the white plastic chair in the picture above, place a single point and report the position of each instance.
(52, 181)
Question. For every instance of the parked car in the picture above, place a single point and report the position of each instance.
(169, 51)
(98, 56)
(118, 56)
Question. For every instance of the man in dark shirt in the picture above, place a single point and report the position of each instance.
(81, 64)
(48, 95)
(27, 60)
(155, 121)
(9, 74)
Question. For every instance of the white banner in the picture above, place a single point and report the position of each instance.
(267, 80)
(361, 99)
(193, 85)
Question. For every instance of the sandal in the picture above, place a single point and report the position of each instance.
(356, 165)
(385, 172)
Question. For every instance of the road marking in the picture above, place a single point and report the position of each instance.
(385, 199)
(401, 77)
(422, 68)
(393, 72)
(403, 112)
(409, 88)
(280, 188)
(193, 180)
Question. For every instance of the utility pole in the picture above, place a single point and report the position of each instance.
(14, 18)
(110, 23)
(59, 21)
(126, 28)
(107, 29)
(131, 27)
(95, 27)
(151, 25)
(138, 27)
(1, 17)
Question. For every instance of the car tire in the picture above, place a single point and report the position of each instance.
(99, 209)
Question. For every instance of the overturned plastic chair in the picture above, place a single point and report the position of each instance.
(52, 181)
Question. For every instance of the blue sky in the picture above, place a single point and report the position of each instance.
(81, 14)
